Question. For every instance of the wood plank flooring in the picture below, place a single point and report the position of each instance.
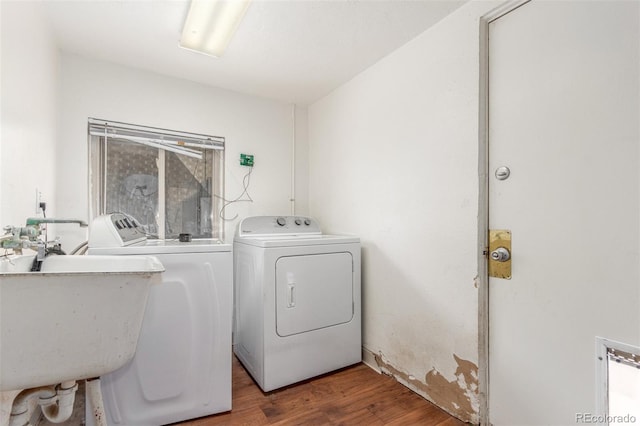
(355, 395)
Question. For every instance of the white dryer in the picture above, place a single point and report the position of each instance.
(297, 300)
(182, 366)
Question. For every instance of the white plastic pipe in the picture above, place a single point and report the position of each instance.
(94, 402)
(60, 409)
(20, 408)
(292, 198)
(56, 403)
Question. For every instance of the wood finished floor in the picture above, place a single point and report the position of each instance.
(356, 395)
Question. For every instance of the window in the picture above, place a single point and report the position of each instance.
(171, 182)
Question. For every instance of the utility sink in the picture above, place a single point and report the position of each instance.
(79, 317)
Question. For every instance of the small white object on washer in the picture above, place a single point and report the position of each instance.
(298, 300)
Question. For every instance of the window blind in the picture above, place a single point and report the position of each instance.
(189, 144)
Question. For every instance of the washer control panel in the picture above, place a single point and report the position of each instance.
(115, 230)
(278, 225)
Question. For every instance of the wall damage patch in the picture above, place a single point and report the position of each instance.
(458, 397)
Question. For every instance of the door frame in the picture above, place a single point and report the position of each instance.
(483, 204)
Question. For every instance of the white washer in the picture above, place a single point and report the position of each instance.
(298, 309)
(182, 366)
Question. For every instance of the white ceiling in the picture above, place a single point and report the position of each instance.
(290, 50)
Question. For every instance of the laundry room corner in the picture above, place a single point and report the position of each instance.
(394, 159)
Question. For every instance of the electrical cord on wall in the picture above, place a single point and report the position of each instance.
(246, 180)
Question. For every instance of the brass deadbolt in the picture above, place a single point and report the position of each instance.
(500, 253)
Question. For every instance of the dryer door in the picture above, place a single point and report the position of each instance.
(313, 292)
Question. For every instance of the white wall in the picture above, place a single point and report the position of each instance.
(28, 86)
(250, 125)
(28, 120)
(393, 157)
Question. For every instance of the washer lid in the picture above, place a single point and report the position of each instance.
(166, 247)
(296, 240)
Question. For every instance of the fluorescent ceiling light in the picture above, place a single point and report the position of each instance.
(210, 24)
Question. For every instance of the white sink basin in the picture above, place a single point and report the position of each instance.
(78, 318)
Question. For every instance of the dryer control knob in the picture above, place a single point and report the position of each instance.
(281, 221)
(298, 222)
(307, 222)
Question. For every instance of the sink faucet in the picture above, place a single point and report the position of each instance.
(29, 236)
(39, 220)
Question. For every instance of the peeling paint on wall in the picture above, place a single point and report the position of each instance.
(477, 281)
(458, 397)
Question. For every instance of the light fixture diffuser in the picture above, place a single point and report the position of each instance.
(210, 24)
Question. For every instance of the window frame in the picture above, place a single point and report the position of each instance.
(99, 132)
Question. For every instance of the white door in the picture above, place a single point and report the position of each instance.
(564, 118)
